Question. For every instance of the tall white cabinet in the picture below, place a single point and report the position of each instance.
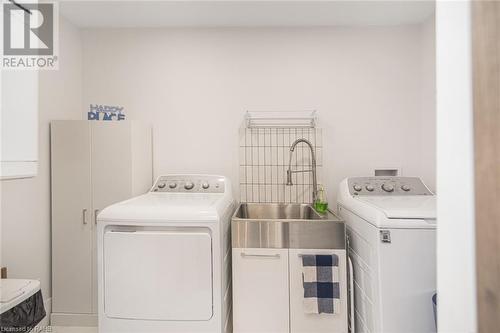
(94, 164)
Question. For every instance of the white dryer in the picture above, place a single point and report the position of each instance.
(391, 228)
(164, 258)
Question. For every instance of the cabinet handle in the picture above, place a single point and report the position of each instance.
(84, 216)
(96, 212)
(272, 256)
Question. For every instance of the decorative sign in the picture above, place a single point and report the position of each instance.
(106, 112)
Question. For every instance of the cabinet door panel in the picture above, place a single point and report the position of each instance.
(260, 291)
(71, 238)
(301, 322)
(111, 163)
(142, 158)
(111, 176)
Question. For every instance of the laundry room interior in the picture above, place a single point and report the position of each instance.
(242, 166)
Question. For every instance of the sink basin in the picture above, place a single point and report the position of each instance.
(278, 212)
(257, 225)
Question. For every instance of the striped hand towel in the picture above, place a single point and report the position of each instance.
(320, 275)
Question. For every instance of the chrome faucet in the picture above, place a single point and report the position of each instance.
(312, 170)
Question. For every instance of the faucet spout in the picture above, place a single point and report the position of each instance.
(313, 167)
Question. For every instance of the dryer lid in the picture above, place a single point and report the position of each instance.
(404, 207)
(167, 206)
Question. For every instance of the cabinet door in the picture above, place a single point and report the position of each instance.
(71, 217)
(142, 158)
(301, 322)
(111, 163)
(111, 175)
(260, 291)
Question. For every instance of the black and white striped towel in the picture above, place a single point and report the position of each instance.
(320, 274)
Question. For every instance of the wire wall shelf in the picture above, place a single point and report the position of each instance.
(280, 119)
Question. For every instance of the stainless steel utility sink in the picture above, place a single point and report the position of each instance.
(278, 212)
(256, 225)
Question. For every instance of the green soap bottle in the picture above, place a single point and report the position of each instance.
(321, 205)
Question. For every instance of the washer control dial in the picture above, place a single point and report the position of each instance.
(205, 185)
(189, 185)
(388, 187)
(172, 185)
(384, 186)
(161, 185)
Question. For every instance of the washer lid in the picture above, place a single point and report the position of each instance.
(404, 207)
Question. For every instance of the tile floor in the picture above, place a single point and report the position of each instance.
(63, 329)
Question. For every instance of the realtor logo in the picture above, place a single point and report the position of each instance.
(29, 36)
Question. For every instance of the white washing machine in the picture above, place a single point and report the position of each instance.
(391, 228)
(164, 258)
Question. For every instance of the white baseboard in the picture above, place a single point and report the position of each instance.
(73, 319)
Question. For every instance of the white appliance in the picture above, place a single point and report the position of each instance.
(164, 258)
(391, 228)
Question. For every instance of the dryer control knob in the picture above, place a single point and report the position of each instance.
(405, 188)
(388, 187)
(189, 186)
(205, 185)
(357, 188)
(369, 188)
(161, 185)
(172, 185)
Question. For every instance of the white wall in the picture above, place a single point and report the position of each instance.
(25, 203)
(428, 108)
(194, 85)
(455, 171)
